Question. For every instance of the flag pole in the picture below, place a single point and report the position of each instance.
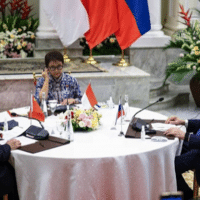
(122, 62)
(121, 132)
(65, 56)
(31, 108)
(91, 60)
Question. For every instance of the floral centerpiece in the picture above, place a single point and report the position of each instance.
(17, 29)
(188, 40)
(83, 120)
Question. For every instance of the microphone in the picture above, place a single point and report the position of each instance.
(34, 132)
(139, 123)
(159, 100)
(13, 114)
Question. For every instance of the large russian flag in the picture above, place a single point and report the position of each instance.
(103, 20)
(134, 21)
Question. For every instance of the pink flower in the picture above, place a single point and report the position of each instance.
(28, 47)
(194, 67)
(6, 47)
(15, 55)
(90, 117)
(82, 116)
(88, 123)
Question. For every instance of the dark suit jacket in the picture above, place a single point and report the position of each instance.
(6, 171)
(194, 126)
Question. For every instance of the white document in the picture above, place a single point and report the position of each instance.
(163, 126)
(21, 111)
(16, 131)
(25, 141)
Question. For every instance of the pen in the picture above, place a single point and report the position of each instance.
(41, 144)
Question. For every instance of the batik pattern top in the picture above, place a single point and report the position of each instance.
(64, 87)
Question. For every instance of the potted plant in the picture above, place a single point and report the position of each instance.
(17, 29)
(188, 40)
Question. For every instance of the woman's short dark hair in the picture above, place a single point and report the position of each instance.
(53, 56)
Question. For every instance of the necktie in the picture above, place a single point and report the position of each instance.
(198, 133)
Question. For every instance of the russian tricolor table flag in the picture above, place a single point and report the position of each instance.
(35, 111)
(120, 111)
(89, 100)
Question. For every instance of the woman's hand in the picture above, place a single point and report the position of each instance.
(70, 101)
(45, 74)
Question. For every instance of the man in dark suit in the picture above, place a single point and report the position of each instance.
(7, 174)
(190, 155)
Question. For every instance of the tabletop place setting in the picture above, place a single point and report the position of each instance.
(64, 120)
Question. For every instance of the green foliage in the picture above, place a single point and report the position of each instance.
(188, 40)
(109, 46)
(16, 22)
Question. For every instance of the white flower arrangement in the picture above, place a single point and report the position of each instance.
(15, 45)
(17, 28)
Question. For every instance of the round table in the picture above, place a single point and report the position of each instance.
(99, 165)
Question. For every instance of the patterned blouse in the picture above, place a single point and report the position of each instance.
(62, 88)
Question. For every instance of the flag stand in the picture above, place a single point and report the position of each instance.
(31, 108)
(66, 58)
(91, 60)
(122, 62)
(121, 132)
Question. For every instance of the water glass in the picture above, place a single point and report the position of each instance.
(52, 105)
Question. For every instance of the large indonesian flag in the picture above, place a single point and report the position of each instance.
(35, 111)
(89, 100)
(68, 17)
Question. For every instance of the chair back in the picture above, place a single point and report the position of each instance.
(5, 197)
(195, 186)
(35, 77)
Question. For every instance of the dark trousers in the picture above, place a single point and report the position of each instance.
(188, 160)
(8, 183)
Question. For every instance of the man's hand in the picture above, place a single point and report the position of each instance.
(175, 132)
(14, 144)
(70, 101)
(175, 120)
(45, 74)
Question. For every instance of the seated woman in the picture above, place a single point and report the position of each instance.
(56, 84)
(7, 174)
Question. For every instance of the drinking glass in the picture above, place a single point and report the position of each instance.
(61, 127)
(126, 105)
(52, 105)
(126, 98)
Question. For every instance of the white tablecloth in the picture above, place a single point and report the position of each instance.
(99, 165)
